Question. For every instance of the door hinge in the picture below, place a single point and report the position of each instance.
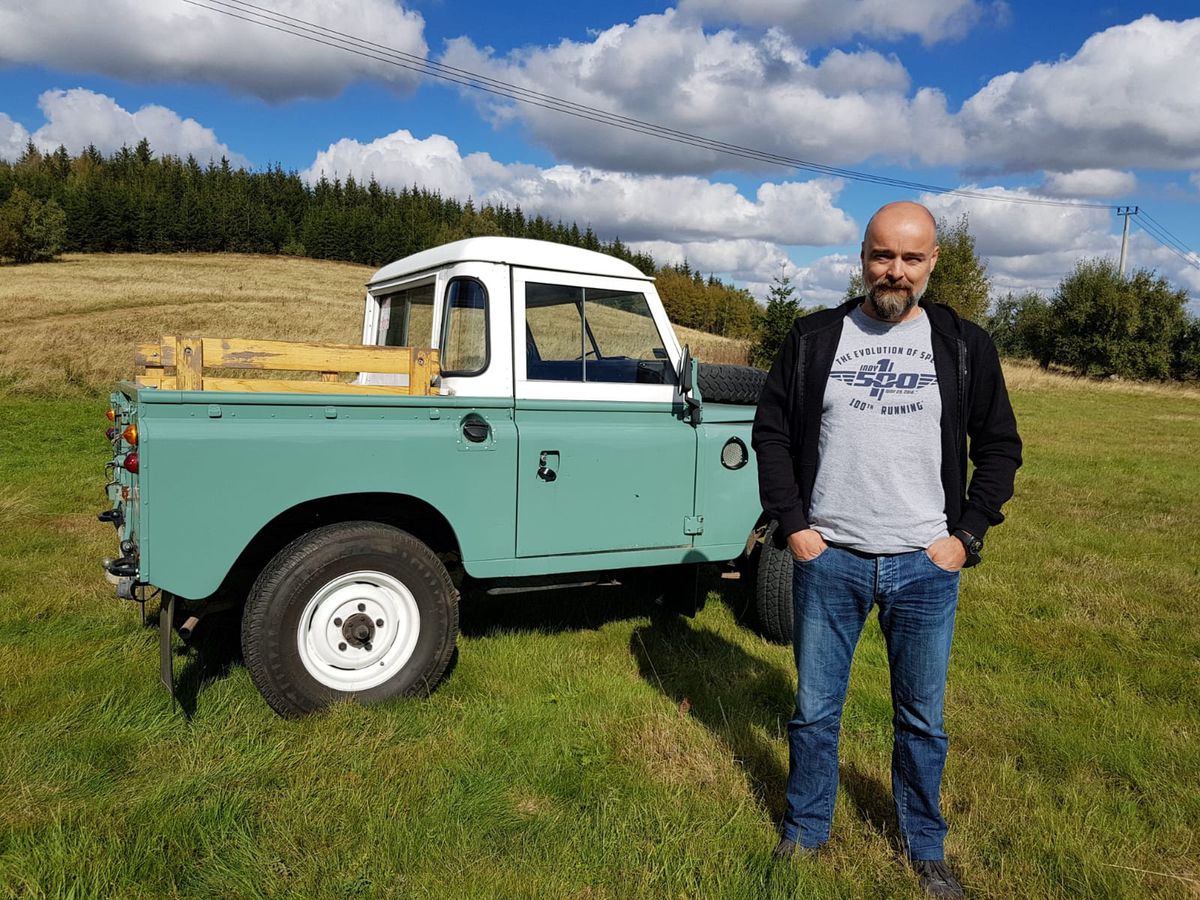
(693, 524)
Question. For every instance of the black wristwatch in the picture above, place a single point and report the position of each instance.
(973, 546)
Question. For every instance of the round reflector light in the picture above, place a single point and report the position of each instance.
(130, 463)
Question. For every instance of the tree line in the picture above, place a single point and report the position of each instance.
(136, 201)
(1097, 322)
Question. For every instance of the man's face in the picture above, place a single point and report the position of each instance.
(898, 254)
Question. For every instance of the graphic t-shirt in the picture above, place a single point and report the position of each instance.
(879, 486)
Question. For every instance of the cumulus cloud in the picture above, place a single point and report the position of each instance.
(1123, 100)
(767, 94)
(636, 207)
(79, 117)
(13, 138)
(175, 41)
(822, 21)
(1090, 183)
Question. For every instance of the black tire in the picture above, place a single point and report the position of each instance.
(349, 573)
(773, 590)
(730, 384)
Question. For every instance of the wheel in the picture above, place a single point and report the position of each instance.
(354, 610)
(730, 384)
(773, 590)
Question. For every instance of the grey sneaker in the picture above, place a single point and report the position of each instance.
(787, 849)
(936, 878)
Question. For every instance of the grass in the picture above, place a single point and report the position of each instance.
(585, 748)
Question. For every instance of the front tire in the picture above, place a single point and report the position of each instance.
(356, 610)
(773, 590)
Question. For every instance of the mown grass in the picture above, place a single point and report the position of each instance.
(583, 747)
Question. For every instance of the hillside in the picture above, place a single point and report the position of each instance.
(68, 328)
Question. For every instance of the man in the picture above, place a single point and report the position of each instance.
(862, 440)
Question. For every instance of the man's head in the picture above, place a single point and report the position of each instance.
(899, 252)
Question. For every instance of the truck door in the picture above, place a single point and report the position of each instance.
(606, 461)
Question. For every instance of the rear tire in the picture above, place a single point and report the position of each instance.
(356, 610)
(773, 590)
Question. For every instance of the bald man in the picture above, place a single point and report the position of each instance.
(862, 434)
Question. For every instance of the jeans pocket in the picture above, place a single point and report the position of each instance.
(806, 562)
(929, 559)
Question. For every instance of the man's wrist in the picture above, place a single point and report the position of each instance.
(972, 546)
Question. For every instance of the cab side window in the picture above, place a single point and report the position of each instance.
(465, 349)
(592, 334)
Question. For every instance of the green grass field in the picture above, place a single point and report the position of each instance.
(584, 748)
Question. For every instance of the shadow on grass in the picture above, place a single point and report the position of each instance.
(553, 611)
(209, 657)
(746, 702)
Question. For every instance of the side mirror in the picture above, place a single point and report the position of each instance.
(688, 385)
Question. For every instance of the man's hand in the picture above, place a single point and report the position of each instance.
(806, 544)
(947, 553)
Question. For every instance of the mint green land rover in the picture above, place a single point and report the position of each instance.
(552, 430)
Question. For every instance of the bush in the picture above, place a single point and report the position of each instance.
(30, 230)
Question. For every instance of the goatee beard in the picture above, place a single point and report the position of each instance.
(891, 305)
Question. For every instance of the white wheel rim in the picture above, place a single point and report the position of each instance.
(330, 635)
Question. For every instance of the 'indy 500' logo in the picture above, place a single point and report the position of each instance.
(882, 378)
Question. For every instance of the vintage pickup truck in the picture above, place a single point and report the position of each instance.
(522, 413)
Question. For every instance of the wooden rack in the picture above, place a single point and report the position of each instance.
(179, 364)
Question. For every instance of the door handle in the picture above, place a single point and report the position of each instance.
(548, 465)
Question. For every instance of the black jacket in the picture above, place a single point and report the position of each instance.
(974, 405)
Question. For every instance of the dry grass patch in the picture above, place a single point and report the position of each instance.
(1022, 375)
(69, 328)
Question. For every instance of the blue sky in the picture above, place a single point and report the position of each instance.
(1084, 104)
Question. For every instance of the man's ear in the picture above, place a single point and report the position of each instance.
(933, 259)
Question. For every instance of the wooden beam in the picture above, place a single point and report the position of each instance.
(189, 363)
(295, 356)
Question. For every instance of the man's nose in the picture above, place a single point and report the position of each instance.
(896, 268)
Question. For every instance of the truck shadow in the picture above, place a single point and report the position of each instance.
(745, 702)
(552, 611)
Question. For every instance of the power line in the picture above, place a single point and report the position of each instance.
(319, 34)
(1168, 240)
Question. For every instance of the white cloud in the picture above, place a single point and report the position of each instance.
(140, 41)
(1090, 183)
(13, 138)
(765, 94)
(635, 207)
(1124, 100)
(822, 21)
(79, 117)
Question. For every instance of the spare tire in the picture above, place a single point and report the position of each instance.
(730, 384)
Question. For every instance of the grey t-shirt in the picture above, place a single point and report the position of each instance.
(879, 487)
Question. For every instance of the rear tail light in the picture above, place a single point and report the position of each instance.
(130, 463)
(130, 434)
(111, 433)
(111, 415)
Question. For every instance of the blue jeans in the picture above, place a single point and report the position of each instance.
(832, 595)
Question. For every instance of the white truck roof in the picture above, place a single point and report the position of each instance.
(521, 252)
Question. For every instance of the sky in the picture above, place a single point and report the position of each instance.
(1091, 106)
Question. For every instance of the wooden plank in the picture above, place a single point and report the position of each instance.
(189, 363)
(295, 356)
(285, 386)
(163, 382)
(424, 368)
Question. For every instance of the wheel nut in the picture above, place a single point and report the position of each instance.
(342, 646)
(367, 646)
(379, 623)
(362, 607)
(337, 623)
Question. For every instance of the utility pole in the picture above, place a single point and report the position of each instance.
(1125, 211)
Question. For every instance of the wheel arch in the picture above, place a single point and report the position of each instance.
(412, 514)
